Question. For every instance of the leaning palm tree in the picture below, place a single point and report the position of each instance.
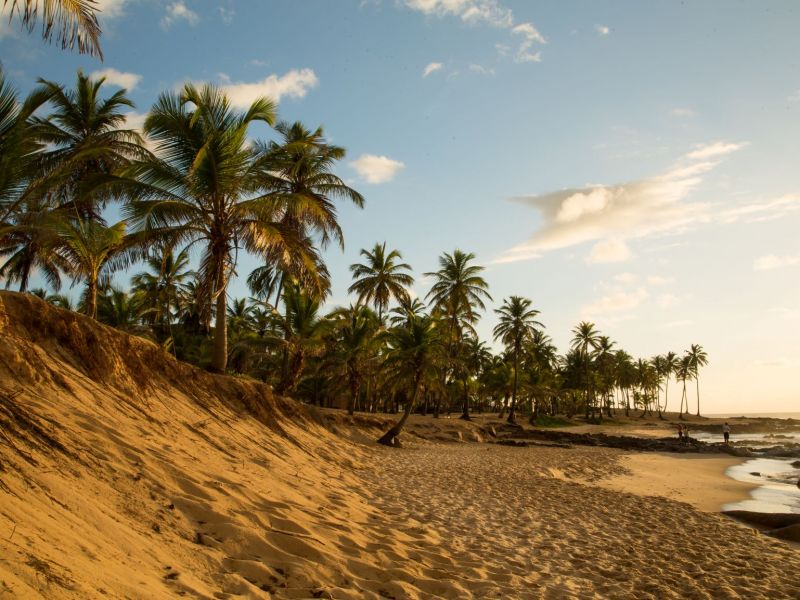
(92, 251)
(208, 186)
(85, 139)
(698, 358)
(71, 22)
(380, 278)
(516, 324)
(414, 355)
(458, 294)
(684, 374)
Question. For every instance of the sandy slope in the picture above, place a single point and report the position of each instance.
(126, 474)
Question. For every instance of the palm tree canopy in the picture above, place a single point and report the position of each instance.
(517, 321)
(71, 22)
(381, 277)
(585, 336)
(458, 290)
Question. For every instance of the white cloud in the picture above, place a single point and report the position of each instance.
(178, 11)
(110, 9)
(376, 169)
(615, 302)
(119, 78)
(657, 280)
(766, 210)
(608, 251)
(135, 120)
(625, 278)
(431, 68)
(294, 84)
(682, 112)
(623, 211)
(481, 70)
(714, 150)
(771, 261)
(602, 29)
(469, 11)
(490, 12)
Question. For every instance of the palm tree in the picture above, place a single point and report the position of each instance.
(18, 144)
(414, 355)
(354, 331)
(381, 278)
(659, 364)
(670, 368)
(299, 173)
(119, 309)
(683, 374)
(91, 250)
(698, 358)
(516, 324)
(458, 293)
(29, 242)
(85, 142)
(72, 22)
(585, 337)
(208, 186)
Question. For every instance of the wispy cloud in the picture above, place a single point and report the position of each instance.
(110, 9)
(772, 261)
(293, 84)
(376, 169)
(481, 70)
(764, 210)
(226, 14)
(609, 251)
(119, 78)
(489, 12)
(602, 29)
(431, 68)
(623, 211)
(178, 11)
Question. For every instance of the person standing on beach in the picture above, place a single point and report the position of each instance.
(726, 432)
(680, 432)
(686, 439)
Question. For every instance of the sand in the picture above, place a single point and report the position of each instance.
(697, 479)
(126, 475)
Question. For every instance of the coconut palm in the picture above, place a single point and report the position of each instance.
(380, 278)
(71, 22)
(354, 332)
(415, 353)
(684, 374)
(18, 144)
(698, 358)
(586, 338)
(517, 322)
(458, 294)
(85, 139)
(91, 251)
(209, 186)
(298, 168)
(119, 309)
(29, 242)
(671, 363)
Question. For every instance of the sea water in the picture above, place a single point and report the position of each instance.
(777, 480)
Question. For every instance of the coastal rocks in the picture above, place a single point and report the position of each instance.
(784, 526)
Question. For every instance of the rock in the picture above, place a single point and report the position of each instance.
(755, 473)
(796, 464)
(790, 533)
(770, 521)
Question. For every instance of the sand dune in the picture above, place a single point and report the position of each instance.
(124, 474)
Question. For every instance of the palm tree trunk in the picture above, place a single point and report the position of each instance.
(465, 414)
(514, 393)
(697, 381)
(390, 437)
(91, 297)
(220, 358)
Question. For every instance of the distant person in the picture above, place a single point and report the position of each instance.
(686, 438)
(726, 432)
(680, 432)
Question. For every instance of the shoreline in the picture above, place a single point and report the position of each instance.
(696, 479)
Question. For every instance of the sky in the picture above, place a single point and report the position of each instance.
(633, 164)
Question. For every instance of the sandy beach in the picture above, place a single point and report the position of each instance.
(125, 479)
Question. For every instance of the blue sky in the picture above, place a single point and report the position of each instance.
(631, 163)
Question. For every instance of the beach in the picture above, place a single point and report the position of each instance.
(128, 474)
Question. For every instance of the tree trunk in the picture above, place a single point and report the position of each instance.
(91, 297)
(514, 393)
(697, 380)
(220, 358)
(354, 390)
(465, 414)
(390, 437)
